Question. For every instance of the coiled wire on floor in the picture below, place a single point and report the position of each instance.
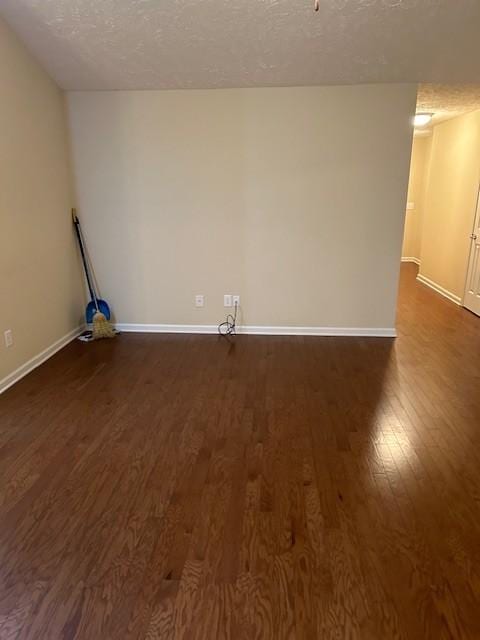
(228, 328)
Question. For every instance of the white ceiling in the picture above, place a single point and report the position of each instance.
(445, 102)
(150, 44)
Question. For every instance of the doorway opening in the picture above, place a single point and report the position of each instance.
(442, 224)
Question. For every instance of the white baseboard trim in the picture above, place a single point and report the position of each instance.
(388, 332)
(438, 289)
(411, 259)
(37, 360)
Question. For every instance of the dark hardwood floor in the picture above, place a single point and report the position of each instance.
(276, 487)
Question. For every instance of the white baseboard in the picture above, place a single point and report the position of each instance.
(438, 289)
(411, 259)
(37, 360)
(388, 332)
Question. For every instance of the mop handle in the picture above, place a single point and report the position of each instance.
(76, 223)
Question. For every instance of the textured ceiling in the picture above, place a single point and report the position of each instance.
(448, 101)
(149, 44)
(445, 102)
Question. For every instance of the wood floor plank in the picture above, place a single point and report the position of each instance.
(193, 487)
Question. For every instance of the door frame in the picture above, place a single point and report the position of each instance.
(476, 214)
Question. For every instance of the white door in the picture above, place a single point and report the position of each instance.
(472, 289)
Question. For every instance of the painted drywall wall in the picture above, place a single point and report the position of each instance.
(40, 285)
(412, 238)
(293, 198)
(449, 203)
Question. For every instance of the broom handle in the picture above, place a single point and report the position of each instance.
(92, 285)
(76, 223)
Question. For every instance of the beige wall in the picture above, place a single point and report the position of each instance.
(40, 291)
(449, 205)
(416, 187)
(293, 198)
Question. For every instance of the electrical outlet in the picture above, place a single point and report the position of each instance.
(8, 338)
(227, 300)
(236, 300)
(199, 301)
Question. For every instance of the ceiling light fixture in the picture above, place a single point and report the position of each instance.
(422, 119)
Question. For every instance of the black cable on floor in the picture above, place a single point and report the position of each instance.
(228, 328)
